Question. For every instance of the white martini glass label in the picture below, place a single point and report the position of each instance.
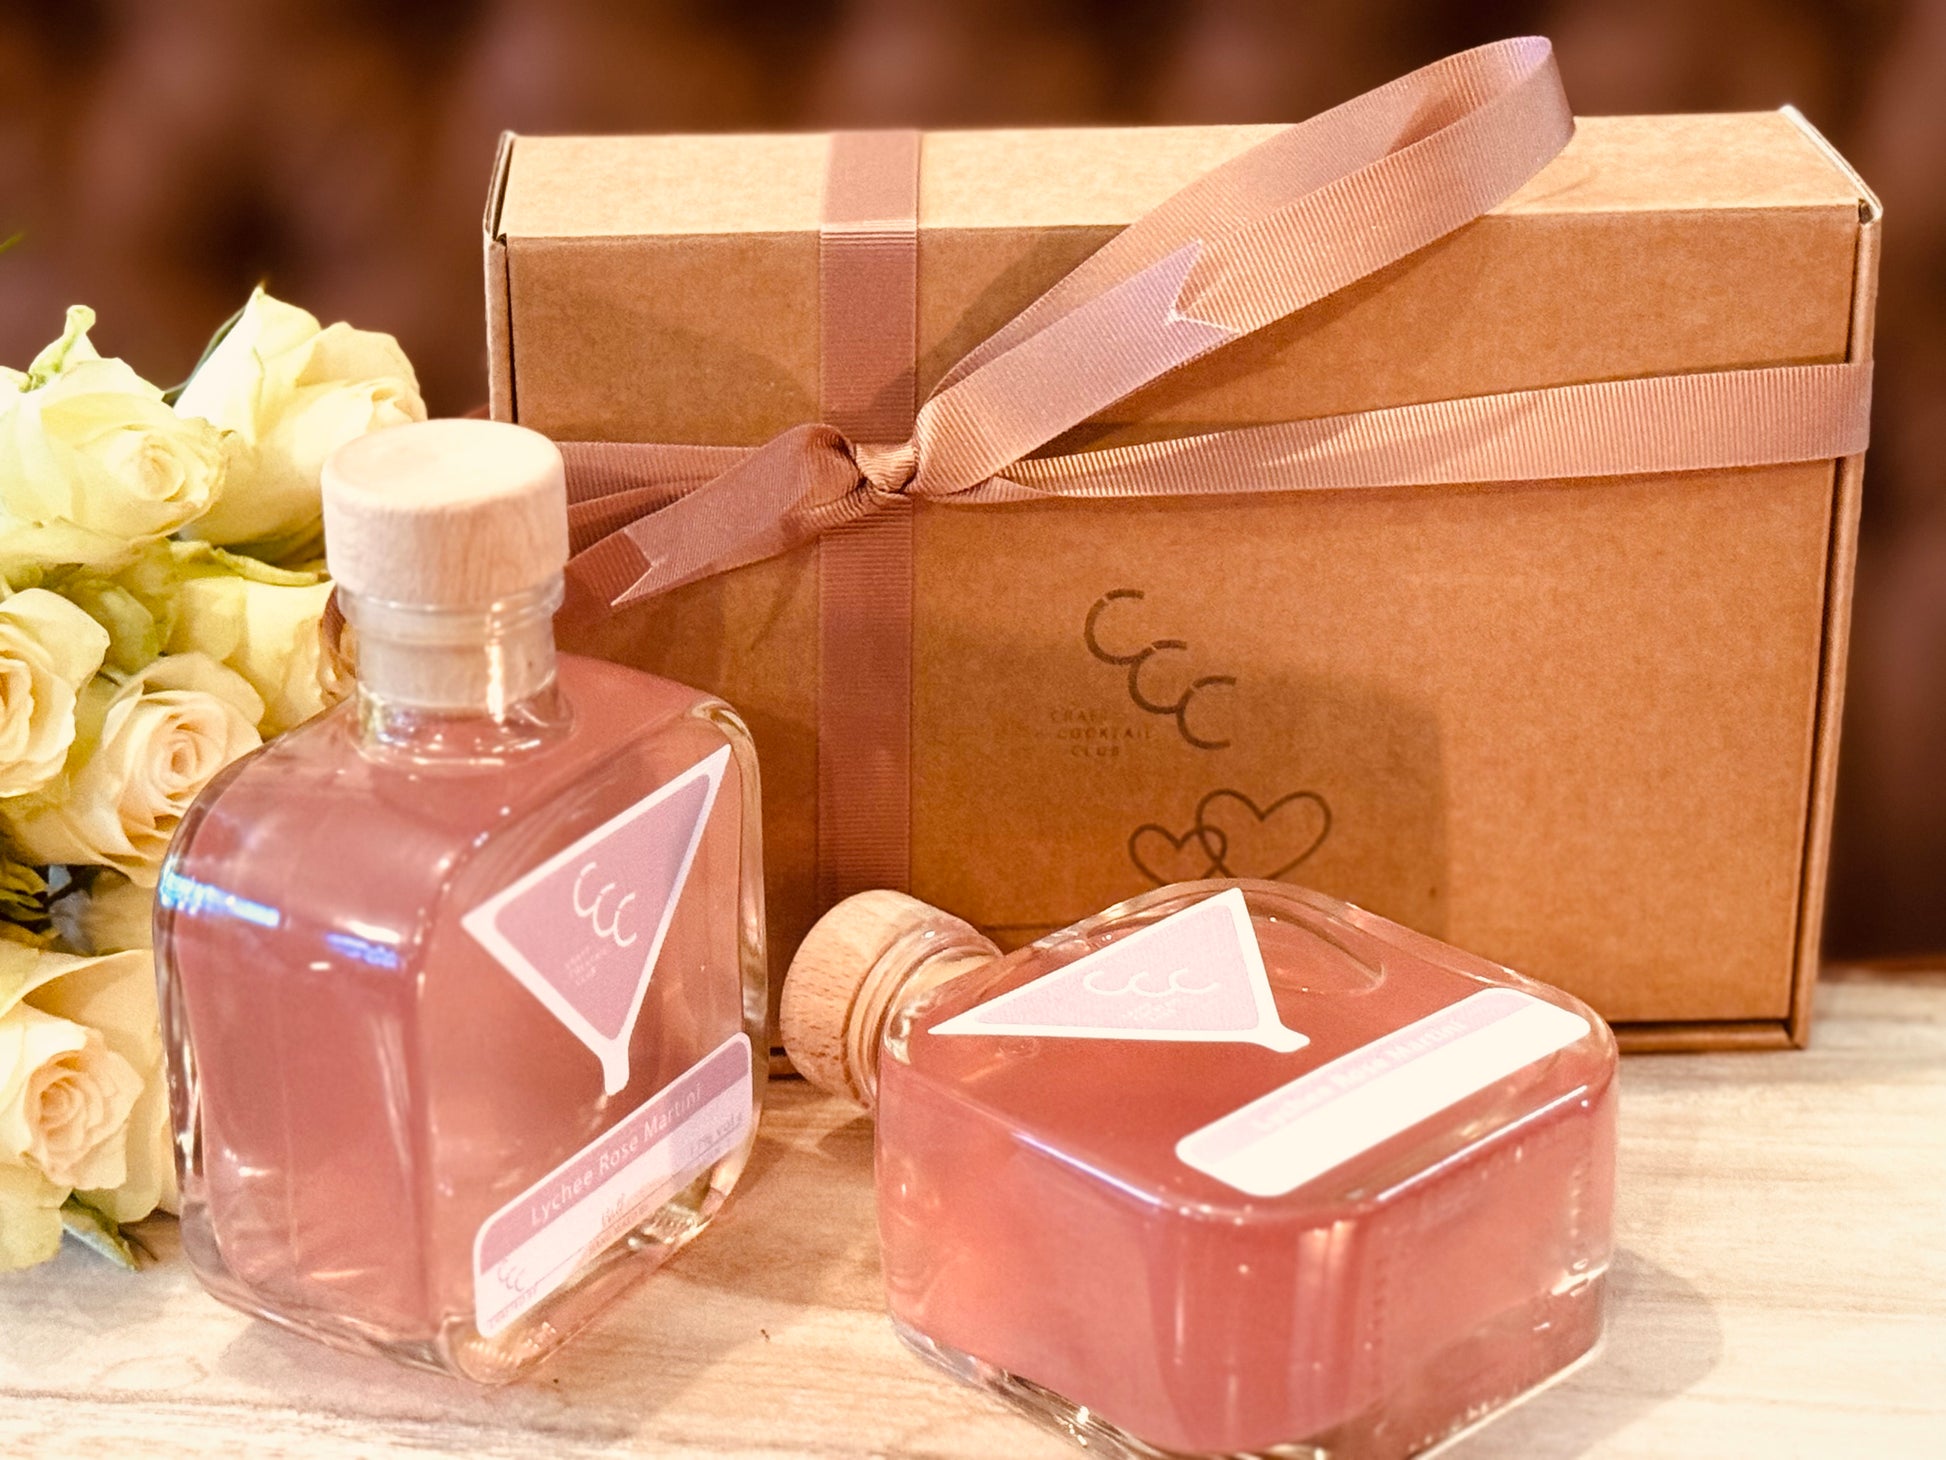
(582, 931)
(1195, 976)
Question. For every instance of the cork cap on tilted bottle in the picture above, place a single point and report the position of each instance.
(867, 955)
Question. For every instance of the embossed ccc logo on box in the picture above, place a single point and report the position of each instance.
(1233, 835)
(1182, 709)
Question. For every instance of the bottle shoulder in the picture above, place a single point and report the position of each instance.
(314, 823)
(605, 711)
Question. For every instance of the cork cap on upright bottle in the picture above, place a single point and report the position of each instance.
(446, 514)
(849, 971)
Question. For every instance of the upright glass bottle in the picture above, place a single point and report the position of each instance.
(1230, 1169)
(460, 980)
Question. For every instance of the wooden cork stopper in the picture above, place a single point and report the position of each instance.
(852, 966)
(446, 514)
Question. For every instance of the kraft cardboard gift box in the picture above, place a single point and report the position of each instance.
(1586, 728)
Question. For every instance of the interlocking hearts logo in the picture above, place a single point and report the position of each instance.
(1234, 837)
(1163, 857)
(1267, 842)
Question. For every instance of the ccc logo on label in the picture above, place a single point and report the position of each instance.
(1144, 983)
(1191, 723)
(596, 912)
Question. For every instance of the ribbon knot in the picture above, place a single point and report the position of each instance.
(887, 471)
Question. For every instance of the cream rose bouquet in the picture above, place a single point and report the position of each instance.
(161, 595)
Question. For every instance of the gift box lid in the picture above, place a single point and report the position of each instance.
(1725, 240)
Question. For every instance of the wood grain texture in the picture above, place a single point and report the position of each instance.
(1781, 1292)
(446, 514)
(841, 984)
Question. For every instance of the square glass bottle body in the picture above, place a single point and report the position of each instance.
(387, 1139)
(1228, 1246)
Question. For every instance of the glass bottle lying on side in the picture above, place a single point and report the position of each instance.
(460, 980)
(1232, 1168)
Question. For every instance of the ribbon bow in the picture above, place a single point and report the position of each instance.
(1298, 217)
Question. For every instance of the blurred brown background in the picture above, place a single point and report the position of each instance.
(159, 158)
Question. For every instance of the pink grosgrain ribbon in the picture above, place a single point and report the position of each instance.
(868, 249)
(1298, 217)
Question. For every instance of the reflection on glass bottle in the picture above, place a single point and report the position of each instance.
(1231, 1168)
(461, 978)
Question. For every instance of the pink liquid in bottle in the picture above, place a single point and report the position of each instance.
(419, 1108)
(1233, 1168)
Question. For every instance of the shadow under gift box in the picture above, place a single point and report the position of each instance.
(1585, 728)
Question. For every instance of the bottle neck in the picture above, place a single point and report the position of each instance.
(921, 960)
(474, 679)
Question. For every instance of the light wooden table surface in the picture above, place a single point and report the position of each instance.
(1781, 1292)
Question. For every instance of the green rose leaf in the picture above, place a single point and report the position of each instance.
(96, 1231)
(203, 559)
(23, 892)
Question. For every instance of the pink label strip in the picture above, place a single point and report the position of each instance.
(537, 1241)
(1320, 1120)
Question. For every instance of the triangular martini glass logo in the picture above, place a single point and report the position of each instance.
(1197, 975)
(582, 931)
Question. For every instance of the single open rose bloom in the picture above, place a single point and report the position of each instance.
(65, 1099)
(158, 738)
(92, 461)
(115, 997)
(289, 394)
(83, 1099)
(49, 650)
